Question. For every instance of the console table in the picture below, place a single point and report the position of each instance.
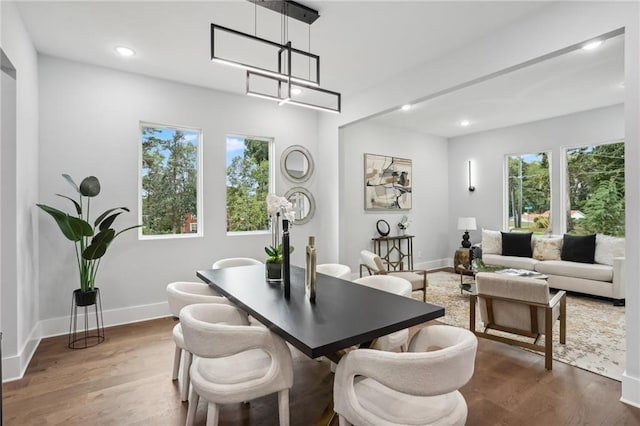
(394, 251)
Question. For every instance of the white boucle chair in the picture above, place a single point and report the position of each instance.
(179, 295)
(335, 270)
(232, 262)
(235, 362)
(395, 285)
(374, 265)
(377, 388)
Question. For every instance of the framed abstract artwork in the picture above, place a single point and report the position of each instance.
(387, 182)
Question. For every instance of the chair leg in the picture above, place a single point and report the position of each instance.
(194, 398)
(563, 320)
(176, 363)
(212, 414)
(283, 407)
(548, 339)
(184, 393)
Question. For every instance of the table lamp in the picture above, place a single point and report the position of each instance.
(466, 224)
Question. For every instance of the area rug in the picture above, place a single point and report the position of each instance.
(595, 328)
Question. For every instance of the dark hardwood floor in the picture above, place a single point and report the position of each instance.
(126, 381)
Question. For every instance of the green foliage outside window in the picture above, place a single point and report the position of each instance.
(596, 189)
(529, 192)
(248, 174)
(169, 180)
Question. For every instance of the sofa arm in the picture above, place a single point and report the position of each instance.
(618, 278)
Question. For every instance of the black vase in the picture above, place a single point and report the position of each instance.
(286, 259)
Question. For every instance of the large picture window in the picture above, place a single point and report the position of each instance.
(249, 176)
(595, 189)
(529, 192)
(170, 181)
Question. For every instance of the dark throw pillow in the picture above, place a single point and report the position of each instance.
(579, 248)
(516, 244)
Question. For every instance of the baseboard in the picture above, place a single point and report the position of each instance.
(630, 390)
(432, 264)
(13, 367)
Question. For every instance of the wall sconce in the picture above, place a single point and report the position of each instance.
(471, 187)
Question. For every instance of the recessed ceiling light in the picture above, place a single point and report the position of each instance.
(465, 123)
(592, 45)
(295, 91)
(125, 51)
(406, 107)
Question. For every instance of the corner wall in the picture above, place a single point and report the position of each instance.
(19, 190)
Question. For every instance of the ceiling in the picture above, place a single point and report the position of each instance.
(361, 44)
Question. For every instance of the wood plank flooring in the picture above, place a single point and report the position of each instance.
(127, 381)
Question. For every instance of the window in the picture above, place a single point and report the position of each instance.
(595, 189)
(529, 192)
(170, 180)
(249, 176)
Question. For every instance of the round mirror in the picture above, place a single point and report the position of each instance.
(296, 163)
(304, 205)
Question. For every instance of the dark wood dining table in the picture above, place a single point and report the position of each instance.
(344, 313)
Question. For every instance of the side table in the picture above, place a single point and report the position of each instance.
(461, 260)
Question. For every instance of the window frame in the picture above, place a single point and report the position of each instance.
(505, 187)
(199, 188)
(272, 178)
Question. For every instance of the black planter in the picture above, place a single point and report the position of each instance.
(274, 271)
(90, 333)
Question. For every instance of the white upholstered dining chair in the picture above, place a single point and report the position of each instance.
(335, 270)
(179, 295)
(419, 387)
(235, 361)
(375, 266)
(231, 262)
(395, 285)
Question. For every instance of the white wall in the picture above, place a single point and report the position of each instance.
(549, 29)
(20, 187)
(89, 126)
(430, 186)
(487, 151)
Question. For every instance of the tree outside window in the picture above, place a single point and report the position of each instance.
(170, 172)
(595, 189)
(248, 183)
(529, 192)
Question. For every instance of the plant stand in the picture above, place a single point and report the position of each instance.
(86, 337)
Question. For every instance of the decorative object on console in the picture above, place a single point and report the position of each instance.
(310, 271)
(579, 248)
(387, 183)
(403, 224)
(516, 244)
(279, 83)
(471, 187)
(466, 224)
(383, 227)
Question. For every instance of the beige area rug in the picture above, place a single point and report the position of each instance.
(595, 328)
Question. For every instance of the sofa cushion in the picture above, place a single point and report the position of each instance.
(608, 247)
(515, 262)
(491, 242)
(565, 268)
(579, 248)
(547, 248)
(516, 244)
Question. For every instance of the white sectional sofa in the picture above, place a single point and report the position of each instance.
(602, 278)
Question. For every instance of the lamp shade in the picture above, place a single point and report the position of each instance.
(467, 223)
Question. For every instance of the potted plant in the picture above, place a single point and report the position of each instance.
(277, 208)
(91, 239)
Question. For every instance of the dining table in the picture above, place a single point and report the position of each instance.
(344, 313)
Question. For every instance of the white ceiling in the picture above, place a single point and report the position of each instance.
(361, 44)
